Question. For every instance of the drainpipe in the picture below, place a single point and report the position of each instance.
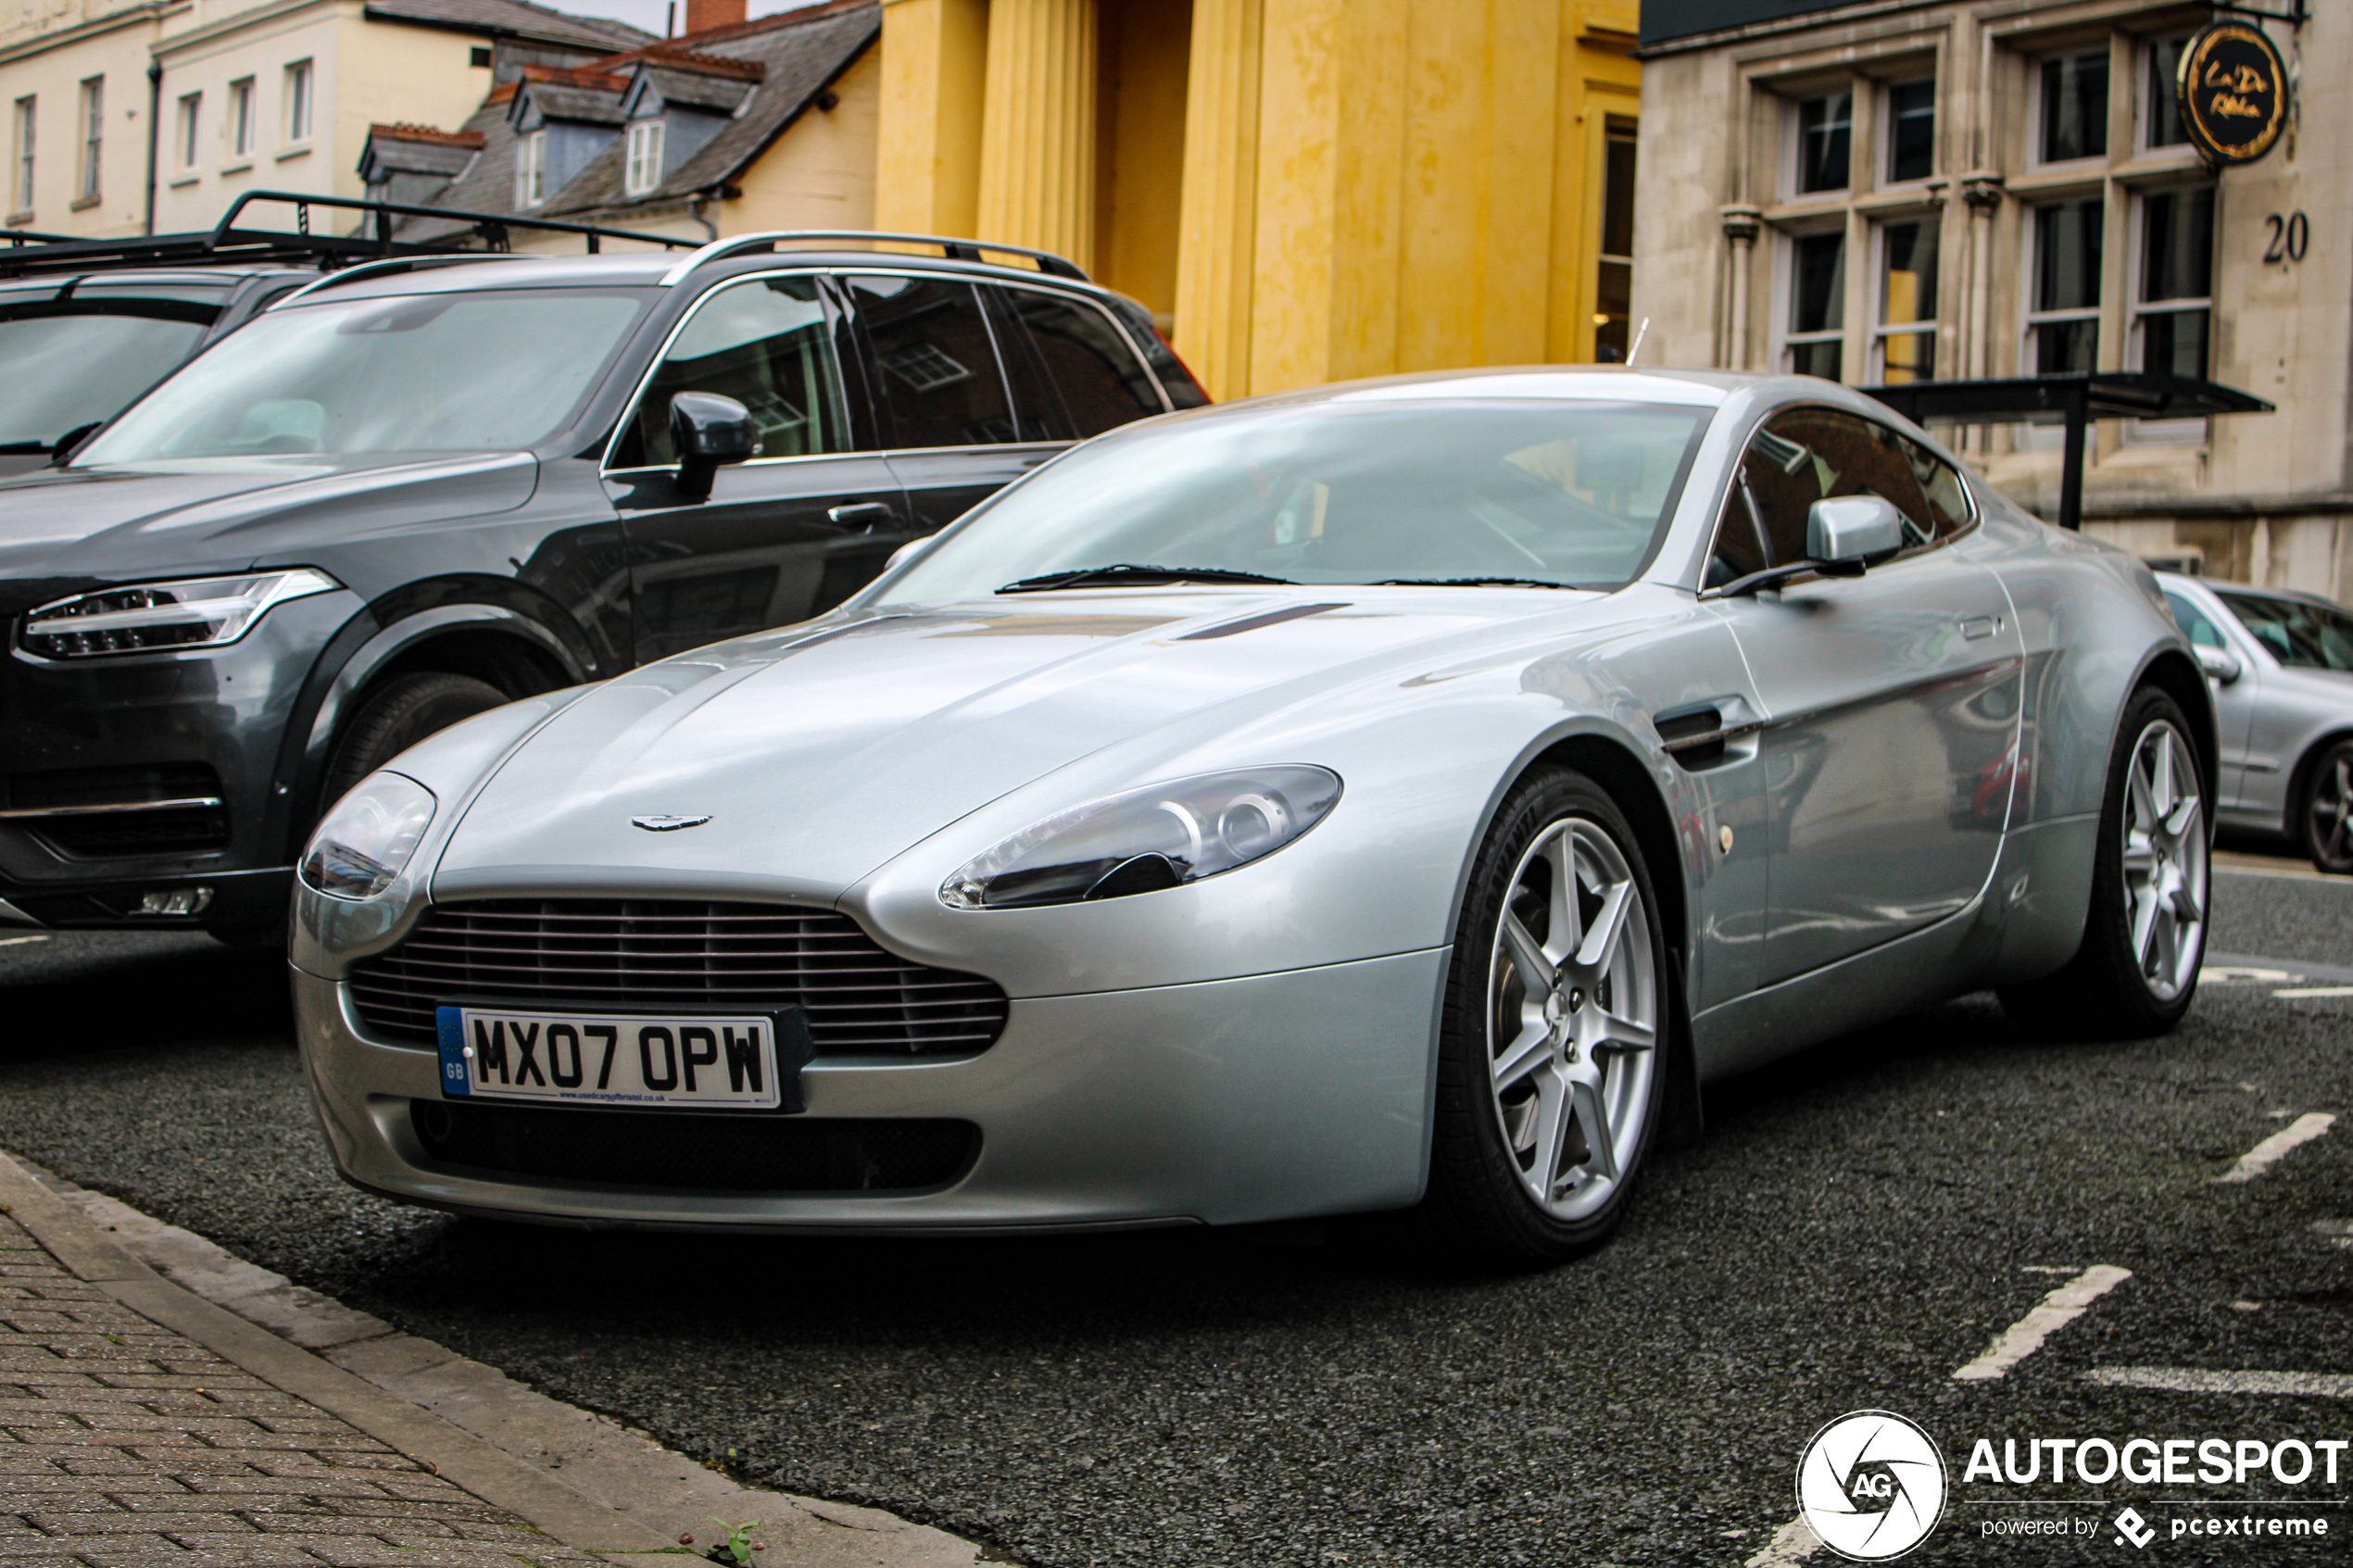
(155, 130)
(694, 211)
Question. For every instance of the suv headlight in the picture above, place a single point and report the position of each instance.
(1162, 835)
(365, 842)
(148, 616)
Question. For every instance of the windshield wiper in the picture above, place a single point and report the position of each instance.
(1470, 582)
(1130, 572)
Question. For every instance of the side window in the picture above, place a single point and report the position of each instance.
(2195, 623)
(1091, 368)
(1740, 549)
(938, 362)
(1809, 454)
(766, 344)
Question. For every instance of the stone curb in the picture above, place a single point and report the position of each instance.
(578, 1477)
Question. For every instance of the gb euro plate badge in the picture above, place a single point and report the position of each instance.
(739, 1061)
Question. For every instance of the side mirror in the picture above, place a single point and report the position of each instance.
(2220, 663)
(1852, 528)
(707, 430)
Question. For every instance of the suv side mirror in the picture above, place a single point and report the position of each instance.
(1852, 528)
(707, 430)
(2220, 663)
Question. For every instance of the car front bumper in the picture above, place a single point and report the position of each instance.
(1280, 1096)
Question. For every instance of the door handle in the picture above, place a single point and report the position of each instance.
(864, 517)
(1975, 628)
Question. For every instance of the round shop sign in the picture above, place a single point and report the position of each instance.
(1871, 1484)
(2232, 88)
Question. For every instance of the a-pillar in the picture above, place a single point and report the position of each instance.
(1037, 127)
(935, 56)
(1741, 226)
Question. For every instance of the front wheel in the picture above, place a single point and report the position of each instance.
(2326, 811)
(1551, 1075)
(2144, 935)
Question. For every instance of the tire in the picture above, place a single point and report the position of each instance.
(1534, 1161)
(2145, 935)
(407, 710)
(2324, 810)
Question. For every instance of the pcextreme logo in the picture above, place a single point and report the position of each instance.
(1872, 1486)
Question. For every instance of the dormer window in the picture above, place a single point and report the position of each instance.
(642, 172)
(531, 170)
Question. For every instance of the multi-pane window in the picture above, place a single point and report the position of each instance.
(2074, 107)
(2160, 105)
(24, 118)
(2172, 315)
(241, 118)
(1825, 138)
(1907, 329)
(1911, 130)
(642, 172)
(187, 141)
(1614, 296)
(94, 125)
(298, 78)
(2065, 321)
(531, 170)
(1818, 304)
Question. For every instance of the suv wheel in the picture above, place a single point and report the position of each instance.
(403, 713)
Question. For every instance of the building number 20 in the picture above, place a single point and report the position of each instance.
(2289, 236)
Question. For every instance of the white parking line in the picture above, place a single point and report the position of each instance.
(2060, 1308)
(2197, 1380)
(2316, 991)
(2263, 1155)
(2239, 973)
(1792, 1543)
(19, 941)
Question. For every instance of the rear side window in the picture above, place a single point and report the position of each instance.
(765, 342)
(1808, 454)
(937, 361)
(2299, 635)
(1093, 377)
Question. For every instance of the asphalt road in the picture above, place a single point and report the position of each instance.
(1856, 1224)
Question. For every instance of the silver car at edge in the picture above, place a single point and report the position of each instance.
(2282, 666)
(1404, 795)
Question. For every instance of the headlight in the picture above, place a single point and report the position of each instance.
(199, 612)
(366, 841)
(1160, 836)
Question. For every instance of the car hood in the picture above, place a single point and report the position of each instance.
(65, 530)
(817, 756)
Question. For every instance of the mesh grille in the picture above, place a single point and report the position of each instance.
(860, 1000)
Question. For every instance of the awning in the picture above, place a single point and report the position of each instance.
(2075, 400)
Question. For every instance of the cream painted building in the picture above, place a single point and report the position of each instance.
(120, 119)
(1985, 188)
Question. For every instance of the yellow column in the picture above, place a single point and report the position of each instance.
(1038, 128)
(927, 154)
(1217, 221)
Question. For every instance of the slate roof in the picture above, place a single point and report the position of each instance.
(518, 18)
(421, 149)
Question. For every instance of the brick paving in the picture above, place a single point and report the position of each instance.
(124, 1445)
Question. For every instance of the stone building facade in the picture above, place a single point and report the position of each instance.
(1897, 189)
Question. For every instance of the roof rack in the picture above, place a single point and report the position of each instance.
(955, 250)
(359, 271)
(226, 241)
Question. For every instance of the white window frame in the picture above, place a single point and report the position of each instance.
(240, 126)
(2030, 359)
(1887, 133)
(300, 86)
(93, 118)
(1881, 329)
(28, 118)
(2193, 429)
(2143, 61)
(1794, 144)
(641, 171)
(2034, 110)
(531, 171)
(1785, 336)
(189, 139)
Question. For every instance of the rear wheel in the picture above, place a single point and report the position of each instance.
(1551, 1070)
(2325, 813)
(2145, 937)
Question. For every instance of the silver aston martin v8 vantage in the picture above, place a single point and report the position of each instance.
(1403, 795)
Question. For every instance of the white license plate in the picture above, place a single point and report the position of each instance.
(621, 1059)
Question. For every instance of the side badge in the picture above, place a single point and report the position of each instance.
(668, 824)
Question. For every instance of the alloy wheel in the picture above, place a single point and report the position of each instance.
(2329, 807)
(1573, 1009)
(2165, 861)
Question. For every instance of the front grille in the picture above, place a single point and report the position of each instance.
(740, 1153)
(658, 952)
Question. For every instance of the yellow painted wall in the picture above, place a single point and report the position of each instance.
(820, 173)
(935, 56)
(101, 41)
(1140, 147)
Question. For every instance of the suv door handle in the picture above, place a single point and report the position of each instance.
(864, 517)
(1977, 627)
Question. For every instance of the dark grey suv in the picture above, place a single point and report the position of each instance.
(416, 489)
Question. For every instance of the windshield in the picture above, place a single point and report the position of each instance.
(1545, 492)
(492, 371)
(2304, 636)
(60, 372)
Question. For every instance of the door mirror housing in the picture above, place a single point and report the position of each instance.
(2220, 663)
(1853, 529)
(707, 430)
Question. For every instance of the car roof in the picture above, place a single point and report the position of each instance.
(118, 280)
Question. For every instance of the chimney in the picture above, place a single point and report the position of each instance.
(704, 14)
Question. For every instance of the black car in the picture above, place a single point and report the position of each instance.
(417, 488)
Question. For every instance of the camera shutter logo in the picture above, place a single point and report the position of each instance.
(1871, 1484)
